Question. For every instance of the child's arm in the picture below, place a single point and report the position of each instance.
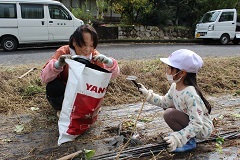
(109, 63)
(155, 99)
(49, 72)
(114, 69)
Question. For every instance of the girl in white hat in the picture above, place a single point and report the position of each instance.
(186, 111)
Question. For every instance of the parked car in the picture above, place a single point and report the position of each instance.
(34, 21)
(222, 25)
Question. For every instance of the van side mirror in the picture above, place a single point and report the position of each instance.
(69, 17)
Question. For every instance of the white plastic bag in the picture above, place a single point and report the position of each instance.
(84, 93)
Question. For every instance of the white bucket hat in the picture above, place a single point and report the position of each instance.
(184, 59)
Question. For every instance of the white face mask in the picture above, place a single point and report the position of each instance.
(170, 78)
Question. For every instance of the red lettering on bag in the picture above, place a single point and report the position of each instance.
(101, 90)
(95, 88)
(88, 86)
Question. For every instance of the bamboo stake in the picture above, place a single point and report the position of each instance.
(70, 156)
(32, 69)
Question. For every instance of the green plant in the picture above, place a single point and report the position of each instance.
(32, 90)
(219, 143)
(237, 93)
(132, 11)
(102, 6)
(82, 13)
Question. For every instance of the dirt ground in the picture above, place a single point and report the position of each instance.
(41, 142)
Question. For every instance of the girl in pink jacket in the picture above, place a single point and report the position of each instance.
(82, 44)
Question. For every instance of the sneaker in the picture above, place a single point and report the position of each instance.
(58, 114)
(190, 145)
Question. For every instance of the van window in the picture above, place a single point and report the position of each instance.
(8, 10)
(32, 11)
(58, 12)
(226, 16)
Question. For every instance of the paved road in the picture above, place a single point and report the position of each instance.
(122, 51)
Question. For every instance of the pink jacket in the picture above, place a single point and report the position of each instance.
(49, 72)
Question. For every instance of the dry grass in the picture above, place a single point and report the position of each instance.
(218, 76)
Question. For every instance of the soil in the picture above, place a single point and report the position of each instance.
(38, 139)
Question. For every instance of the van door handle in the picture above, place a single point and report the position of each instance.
(42, 22)
(233, 23)
(50, 21)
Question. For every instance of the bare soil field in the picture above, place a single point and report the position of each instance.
(42, 142)
(29, 126)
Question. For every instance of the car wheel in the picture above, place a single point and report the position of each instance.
(9, 44)
(224, 39)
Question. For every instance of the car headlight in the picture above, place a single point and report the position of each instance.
(196, 28)
(211, 27)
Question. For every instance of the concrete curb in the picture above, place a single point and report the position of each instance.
(54, 45)
(151, 41)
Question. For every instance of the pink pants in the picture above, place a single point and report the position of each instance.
(175, 119)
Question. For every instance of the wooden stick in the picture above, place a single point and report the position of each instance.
(32, 69)
(70, 156)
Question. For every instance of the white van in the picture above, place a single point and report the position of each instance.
(222, 25)
(34, 21)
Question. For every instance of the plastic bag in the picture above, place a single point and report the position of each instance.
(85, 89)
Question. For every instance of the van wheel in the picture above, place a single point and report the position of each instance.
(224, 39)
(9, 44)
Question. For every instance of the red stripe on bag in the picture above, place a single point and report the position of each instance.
(84, 113)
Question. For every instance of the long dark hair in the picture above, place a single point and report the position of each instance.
(190, 80)
(78, 36)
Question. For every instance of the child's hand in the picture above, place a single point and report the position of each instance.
(142, 89)
(171, 143)
(103, 59)
(61, 61)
